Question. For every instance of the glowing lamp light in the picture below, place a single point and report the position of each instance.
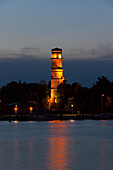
(31, 109)
(72, 108)
(55, 55)
(59, 56)
(15, 109)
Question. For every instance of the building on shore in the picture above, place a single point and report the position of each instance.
(56, 74)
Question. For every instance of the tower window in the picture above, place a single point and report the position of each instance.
(55, 55)
(59, 56)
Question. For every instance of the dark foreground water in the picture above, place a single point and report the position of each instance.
(56, 145)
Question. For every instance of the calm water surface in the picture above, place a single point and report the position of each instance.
(56, 145)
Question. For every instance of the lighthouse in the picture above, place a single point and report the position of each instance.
(56, 72)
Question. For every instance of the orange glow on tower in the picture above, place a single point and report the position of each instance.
(56, 71)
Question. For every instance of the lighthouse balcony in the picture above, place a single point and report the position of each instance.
(54, 78)
(57, 68)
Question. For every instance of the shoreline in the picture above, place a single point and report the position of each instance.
(51, 118)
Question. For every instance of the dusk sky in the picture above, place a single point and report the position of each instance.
(30, 28)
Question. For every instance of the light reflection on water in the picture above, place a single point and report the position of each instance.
(58, 157)
(56, 145)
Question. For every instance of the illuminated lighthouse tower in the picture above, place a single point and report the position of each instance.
(56, 71)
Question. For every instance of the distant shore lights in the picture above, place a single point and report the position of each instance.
(56, 73)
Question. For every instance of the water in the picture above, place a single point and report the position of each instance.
(56, 145)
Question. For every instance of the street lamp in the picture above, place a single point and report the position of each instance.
(31, 110)
(16, 109)
(102, 96)
(72, 108)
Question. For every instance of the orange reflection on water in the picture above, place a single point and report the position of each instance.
(103, 122)
(58, 150)
(72, 120)
(58, 153)
(15, 121)
(58, 124)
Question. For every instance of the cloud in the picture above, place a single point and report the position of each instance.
(30, 50)
(108, 57)
(93, 51)
(26, 53)
(98, 52)
(10, 57)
